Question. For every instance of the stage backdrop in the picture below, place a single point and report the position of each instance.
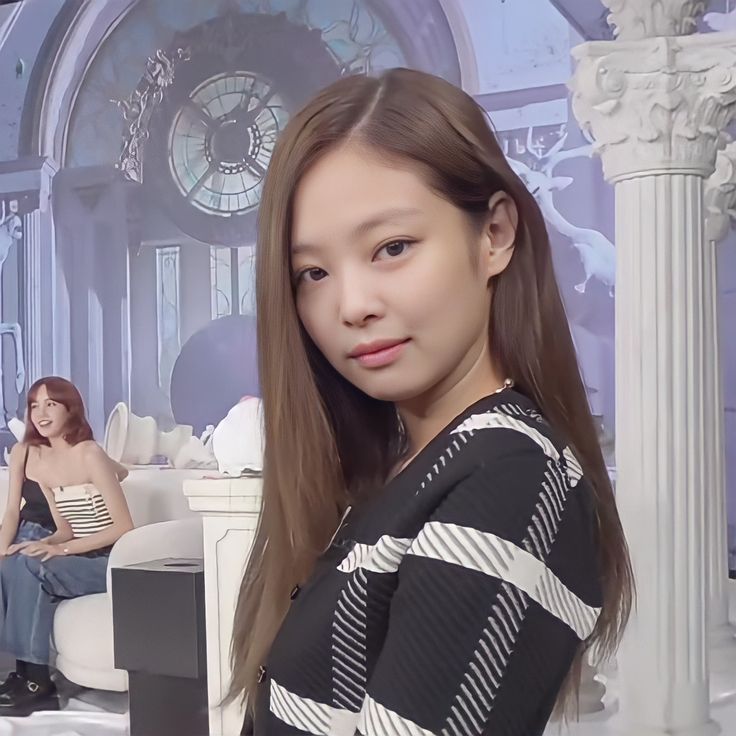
(134, 137)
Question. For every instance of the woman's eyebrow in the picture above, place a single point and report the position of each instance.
(391, 215)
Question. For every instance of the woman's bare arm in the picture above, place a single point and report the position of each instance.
(103, 476)
(120, 470)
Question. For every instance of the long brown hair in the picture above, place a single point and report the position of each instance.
(317, 457)
(62, 392)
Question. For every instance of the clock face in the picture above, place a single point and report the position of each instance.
(221, 140)
(212, 136)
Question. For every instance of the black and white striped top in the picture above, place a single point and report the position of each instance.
(84, 508)
(453, 601)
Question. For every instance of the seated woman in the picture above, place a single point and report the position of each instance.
(75, 511)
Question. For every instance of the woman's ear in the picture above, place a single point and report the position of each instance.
(499, 233)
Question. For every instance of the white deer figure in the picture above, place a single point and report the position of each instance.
(721, 21)
(10, 232)
(596, 251)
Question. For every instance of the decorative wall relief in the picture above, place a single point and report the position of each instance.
(534, 156)
(596, 251)
(11, 233)
(139, 107)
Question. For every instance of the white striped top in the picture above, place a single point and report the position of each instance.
(84, 508)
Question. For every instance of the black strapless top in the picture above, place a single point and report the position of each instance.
(36, 507)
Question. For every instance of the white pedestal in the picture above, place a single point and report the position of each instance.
(229, 508)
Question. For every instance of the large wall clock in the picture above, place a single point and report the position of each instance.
(221, 141)
(212, 137)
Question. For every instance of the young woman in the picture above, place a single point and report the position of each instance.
(74, 512)
(439, 544)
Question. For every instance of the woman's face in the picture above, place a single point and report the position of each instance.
(392, 280)
(48, 416)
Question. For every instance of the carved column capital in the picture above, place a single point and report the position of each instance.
(719, 195)
(636, 19)
(28, 180)
(656, 105)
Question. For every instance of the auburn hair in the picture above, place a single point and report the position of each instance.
(317, 455)
(62, 392)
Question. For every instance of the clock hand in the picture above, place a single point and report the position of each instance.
(241, 114)
(194, 191)
(254, 166)
(200, 113)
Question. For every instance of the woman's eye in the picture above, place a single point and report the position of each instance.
(311, 274)
(395, 248)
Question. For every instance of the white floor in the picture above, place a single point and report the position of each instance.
(83, 713)
(599, 724)
(723, 713)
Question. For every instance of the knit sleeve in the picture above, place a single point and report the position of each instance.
(494, 596)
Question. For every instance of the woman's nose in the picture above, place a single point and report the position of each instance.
(359, 302)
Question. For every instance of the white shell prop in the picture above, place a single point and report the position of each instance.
(17, 427)
(18, 430)
(195, 454)
(237, 441)
(135, 440)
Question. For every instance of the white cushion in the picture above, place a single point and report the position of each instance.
(83, 640)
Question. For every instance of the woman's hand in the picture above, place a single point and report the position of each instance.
(17, 547)
(43, 549)
(53, 550)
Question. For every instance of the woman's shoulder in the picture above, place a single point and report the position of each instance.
(512, 462)
(87, 446)
(523, 485)
(88, 451)
(18, 451)
(17, 456)
(508, 429)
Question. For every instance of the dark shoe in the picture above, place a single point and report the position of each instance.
(28, 698)
(13, 681)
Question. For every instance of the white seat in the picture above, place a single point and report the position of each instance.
(83, 631)
(83, 634)
(83, 638)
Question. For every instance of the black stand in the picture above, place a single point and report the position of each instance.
(159, 633)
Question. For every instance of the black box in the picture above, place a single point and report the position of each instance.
(159, 637)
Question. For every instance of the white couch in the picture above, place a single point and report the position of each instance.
(83, 632)
(165, 527)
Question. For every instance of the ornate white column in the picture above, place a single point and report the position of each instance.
(229, 509)
(719, 200)
(656, 102)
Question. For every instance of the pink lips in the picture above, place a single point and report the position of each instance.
(378, 354)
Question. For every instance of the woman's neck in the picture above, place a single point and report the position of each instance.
(426, 416)
(58, 443)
